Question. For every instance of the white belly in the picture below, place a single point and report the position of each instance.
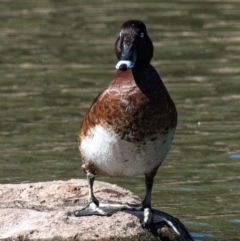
(117, 157)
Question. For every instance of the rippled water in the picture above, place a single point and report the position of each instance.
(55, 57)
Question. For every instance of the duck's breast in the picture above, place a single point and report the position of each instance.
(113, 156)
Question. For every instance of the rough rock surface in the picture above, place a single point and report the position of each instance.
(40, 211)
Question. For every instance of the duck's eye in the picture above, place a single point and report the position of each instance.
(142, 35)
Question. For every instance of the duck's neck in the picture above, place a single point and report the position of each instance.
(148, 81)
(145, 77)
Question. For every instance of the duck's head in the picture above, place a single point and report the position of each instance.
(133, 45)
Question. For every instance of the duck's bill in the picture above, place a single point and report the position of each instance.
(124, 65)
(127, 58)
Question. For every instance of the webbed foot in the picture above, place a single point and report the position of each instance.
(91, 209)
(147, 217)
(101, 209)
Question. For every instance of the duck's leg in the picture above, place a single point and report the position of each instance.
(146, 204)
(94, 207)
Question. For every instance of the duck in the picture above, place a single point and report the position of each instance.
(129, 128)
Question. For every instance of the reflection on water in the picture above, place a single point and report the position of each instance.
(200, 236)
(235, 156)
(236, 220)
(55, 57)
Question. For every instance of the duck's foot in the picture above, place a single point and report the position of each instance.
(146, 216)
(156, 217)
(100, 209)
(91, 209)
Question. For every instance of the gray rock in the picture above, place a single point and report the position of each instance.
(40, 211)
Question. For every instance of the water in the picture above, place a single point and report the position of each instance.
(56, 56)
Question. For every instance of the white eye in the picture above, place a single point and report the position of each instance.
(142, 35)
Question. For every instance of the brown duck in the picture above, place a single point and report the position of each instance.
(128, 130)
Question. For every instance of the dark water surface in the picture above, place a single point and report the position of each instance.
(56, 56)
